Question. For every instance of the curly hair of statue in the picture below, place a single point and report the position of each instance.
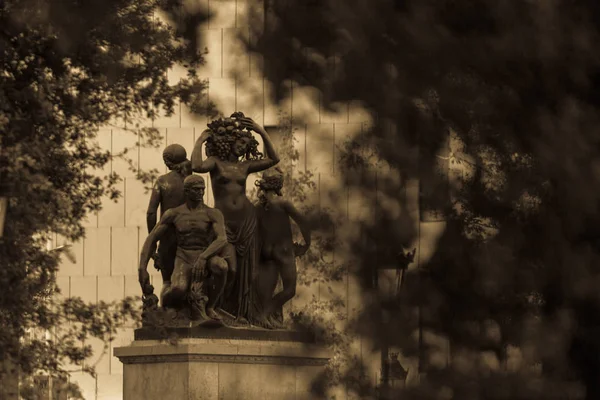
(225, 132)
(269, 183)
(273, 183)
(181, 167)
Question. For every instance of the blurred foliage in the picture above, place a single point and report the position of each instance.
(318, 269)
(68, 68)
(516, 85)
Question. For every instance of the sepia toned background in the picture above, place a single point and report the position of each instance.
(106, 260)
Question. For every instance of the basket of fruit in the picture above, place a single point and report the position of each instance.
(225, 132)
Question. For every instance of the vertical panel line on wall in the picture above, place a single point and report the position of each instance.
(222, 41)
(292, 101)
(110, 231)
(305, 152)
(139, 156)
(124, 202)
(83, 256)
(319, 192)
(320, 106)
(376, 219)
(319, 214)
(95, 386)
(333, 151)
(110, 350)
(347, 267)
(235, 24)
(249, 55)
(111, 151)
(138, 245)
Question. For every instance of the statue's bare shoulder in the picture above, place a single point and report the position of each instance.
(214, 213)
(169, 215)
(162, 179)
(285, 204)
(278, 203)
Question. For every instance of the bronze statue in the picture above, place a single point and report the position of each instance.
(232, 154)
(278, 251)
(168, 193)
(201, 238)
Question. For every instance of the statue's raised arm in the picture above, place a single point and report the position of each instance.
(199, 164)
(271, 156)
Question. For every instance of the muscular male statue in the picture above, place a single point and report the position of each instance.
(201, 237)
(168, 193)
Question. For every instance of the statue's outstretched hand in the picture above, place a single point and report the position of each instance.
(156, 259)
(300, 249)
(198, 269)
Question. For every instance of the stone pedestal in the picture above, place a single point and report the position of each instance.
(203, 368)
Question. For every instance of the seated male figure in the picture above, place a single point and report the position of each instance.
(201, 240)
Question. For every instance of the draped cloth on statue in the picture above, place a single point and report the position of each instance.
(240, 299)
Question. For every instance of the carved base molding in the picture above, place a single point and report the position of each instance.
(208, 368)
(221, 358)
(223, 332)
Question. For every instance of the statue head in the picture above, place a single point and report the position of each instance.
(193, 187)
(229, 140)
(272, 180)
(174, 154)
(175, 158)
(242, 145)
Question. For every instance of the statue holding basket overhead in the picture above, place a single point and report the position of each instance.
(231, 156)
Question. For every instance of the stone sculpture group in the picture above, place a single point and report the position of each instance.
(221, 265)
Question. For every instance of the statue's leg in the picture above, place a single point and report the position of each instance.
(216, 284)
(167, 251)
(176, 294)
(266, 282)
(287, 269)
(229, 255)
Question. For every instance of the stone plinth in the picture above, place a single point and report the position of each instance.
(217, 368)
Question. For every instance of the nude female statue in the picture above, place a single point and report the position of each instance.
(232, 154)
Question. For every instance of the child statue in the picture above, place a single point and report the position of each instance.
(278, 250)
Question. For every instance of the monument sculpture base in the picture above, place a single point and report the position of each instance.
(201, 368)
